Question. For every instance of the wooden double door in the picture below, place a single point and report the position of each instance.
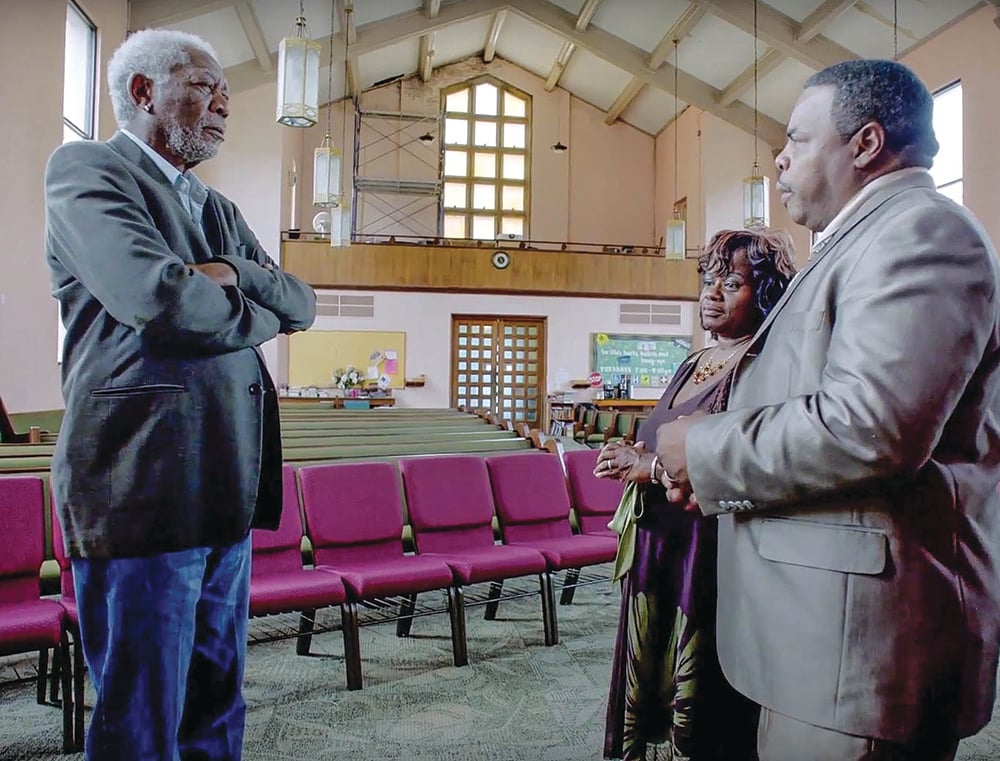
(498, 364)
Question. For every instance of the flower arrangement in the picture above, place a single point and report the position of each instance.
(348, 377)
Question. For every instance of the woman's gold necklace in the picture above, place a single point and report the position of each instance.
(709, 369)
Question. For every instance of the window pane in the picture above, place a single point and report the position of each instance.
(487, 99)
(948, 130)
(456, 163)
(485, 165)
(512, 226)
(484, 197)
(513, 166)
(457, 101)
(70, 134)
(484, 228)
(953, 191)
(513, 198)
(78, 71)
(513, 105)
(513, 135)
(456, 131)
(454, 195)
(486, 134)
(454, 226)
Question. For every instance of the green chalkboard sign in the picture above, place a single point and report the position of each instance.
(651, 360)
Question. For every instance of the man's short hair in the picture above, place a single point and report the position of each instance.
(154, 53)
(888, 93)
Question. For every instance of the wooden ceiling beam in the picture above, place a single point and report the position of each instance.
(255, 35)
(822, 17)
(625, 97)
(776, 30)
(632, 59)
(425, 62)
(432, 8)
(145, 14)
(765, 65)
(490, 46)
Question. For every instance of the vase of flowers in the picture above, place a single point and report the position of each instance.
(348, 378)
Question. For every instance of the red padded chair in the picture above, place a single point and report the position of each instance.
(532, 504)
(278, 581)
(354, 516)
(28, 622)
(67, 599)
(594, 499)
(450, 505)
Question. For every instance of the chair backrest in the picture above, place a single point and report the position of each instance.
(604, 420)
(354, 511)
(22, 524)
(280, 550)
(59, 553)
(529, 491)
(449, 501)
(623, 424)
(594, 499)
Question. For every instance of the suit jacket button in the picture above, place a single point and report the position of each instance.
(254, 389)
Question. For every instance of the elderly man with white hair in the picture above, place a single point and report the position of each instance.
(170, 450)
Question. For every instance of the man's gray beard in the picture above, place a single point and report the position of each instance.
(187, 144)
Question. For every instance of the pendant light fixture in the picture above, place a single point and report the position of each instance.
(298, 76)
(326, 158)
(341, 219)
(675, 235)
(756, 187)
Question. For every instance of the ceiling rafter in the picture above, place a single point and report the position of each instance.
(583, 19)
(559, 65)
(432, 8)
(153, 13)
(255, 35)
(822, 17)
(632, 59)
(680, 29)
(490, 46)
(425, 62)
(776, 30)
(744, 81)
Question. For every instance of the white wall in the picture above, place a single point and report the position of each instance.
(426, 318)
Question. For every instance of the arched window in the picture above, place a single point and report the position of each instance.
(487, 128)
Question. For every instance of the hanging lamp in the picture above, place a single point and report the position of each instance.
(756, 187)
(326, 158)
(675, 235)
(298, 76)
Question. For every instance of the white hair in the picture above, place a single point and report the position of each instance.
(152, 53)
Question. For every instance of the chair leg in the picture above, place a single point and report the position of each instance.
(549, 620)
(405, 620)
(67, 702)
(79, 674)
(43, 672)
(496, 589)
(459, 639)
(307, 619)
(352, 645)
(57, 666)
(569, 586)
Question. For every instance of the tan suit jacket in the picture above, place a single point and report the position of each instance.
(855, 476)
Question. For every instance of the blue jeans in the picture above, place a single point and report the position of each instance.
(164, 638)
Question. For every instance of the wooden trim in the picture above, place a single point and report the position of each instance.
(461, 269)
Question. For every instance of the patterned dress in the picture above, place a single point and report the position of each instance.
(667, 690)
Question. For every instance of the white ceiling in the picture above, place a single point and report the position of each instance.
(602, 51)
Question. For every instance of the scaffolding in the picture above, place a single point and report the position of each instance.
(390, 205)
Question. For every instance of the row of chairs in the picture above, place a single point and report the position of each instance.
(595, 427)
(352, 516)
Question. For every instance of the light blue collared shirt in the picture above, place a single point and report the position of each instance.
(192, 191)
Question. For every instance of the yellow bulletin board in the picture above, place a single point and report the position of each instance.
(314, 355)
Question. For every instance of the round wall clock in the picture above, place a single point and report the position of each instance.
(500, 259)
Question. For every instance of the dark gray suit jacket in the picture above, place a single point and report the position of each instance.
(856, 472)
(170, 438)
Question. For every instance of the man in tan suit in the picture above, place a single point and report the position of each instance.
(856, 472)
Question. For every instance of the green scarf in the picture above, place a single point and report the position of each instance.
(623, 522)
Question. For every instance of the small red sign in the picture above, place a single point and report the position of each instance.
(596, 379)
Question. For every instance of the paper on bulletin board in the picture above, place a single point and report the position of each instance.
(391, 367)
(314, 355)
(373, 372)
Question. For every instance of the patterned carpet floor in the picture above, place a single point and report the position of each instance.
(516, 701)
